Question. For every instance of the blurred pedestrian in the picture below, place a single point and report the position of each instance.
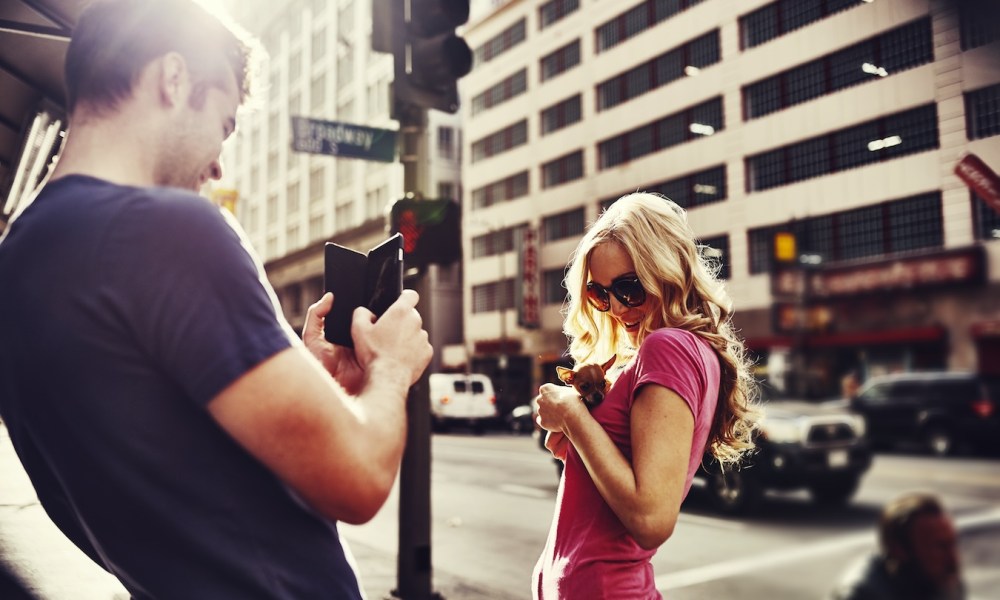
(173, 425)
(849, 385)
(918, 556)
(639, 288)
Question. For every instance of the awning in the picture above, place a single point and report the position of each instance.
(34, 35)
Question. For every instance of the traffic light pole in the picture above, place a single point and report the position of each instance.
(413, 567)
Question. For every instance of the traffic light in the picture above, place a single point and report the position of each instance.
(429, 58)
(431, 230)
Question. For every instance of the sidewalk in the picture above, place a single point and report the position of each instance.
(50, 567)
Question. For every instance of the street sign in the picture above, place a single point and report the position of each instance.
(980, 178)
(343, 139)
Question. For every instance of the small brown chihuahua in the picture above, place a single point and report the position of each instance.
(589, 381)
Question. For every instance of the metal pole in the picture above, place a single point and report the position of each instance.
(413, 567)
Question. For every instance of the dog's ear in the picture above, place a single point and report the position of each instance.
(610, 363)
(565, 375)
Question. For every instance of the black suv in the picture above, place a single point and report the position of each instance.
(819, 446)
(942, 412)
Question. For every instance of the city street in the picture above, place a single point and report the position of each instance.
(492, 504)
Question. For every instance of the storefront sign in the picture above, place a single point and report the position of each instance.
(980, 178)
(794, 318)
(945, 268)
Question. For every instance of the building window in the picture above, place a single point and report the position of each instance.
(563, 225)
(987, 219)
(294, 67)
(563, 169)
(883, 139)
(778, 18)
(316, 186)
(318, 44)
(495, 46)
(345, 172)
(554, 11)
(505, 190)
(489, 297)
(880, 230)
(982, 112)
(272, 208)
(553, 288)
(680, 62)
(560, 61)
(501, 141)
(292, 200)
(975, 30)
(446, 142)
(344, 216)
(636, 20)
(715, 250)
(687, 125)
(509, 88)
(494, 242)
(345, 68)
(560, 115)
(315, 227)
(695, 189)
(446, 189)
(887, 54)
(317, 93)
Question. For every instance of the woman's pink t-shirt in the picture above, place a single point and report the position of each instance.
(589, 553)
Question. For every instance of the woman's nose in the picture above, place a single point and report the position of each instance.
(617, 307)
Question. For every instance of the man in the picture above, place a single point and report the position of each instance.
(918, 560)
(173, 425)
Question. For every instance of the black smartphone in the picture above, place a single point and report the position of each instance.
(373, 280)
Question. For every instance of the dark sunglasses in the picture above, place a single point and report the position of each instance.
(626, 289)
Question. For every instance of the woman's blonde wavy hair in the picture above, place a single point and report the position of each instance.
(678, 279)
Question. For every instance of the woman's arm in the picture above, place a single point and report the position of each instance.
(645, 495)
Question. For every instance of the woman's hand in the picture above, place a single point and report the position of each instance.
(339, 361)
(557, 405)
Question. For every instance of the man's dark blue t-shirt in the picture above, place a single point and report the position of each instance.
(124, 312)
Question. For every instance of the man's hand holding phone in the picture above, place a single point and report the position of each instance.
(397, 336)
(396, 340)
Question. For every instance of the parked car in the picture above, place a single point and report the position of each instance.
(521, 419)
(818, 446)
(458, 398)
(941, 412)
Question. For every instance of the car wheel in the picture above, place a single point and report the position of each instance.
(835, 491)
(939, 440)
(733, 491)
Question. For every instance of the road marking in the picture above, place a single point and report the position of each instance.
(682, 579)
(523, 490)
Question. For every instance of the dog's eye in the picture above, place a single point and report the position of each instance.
(586, 387)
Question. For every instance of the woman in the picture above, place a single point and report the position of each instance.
(638, 289)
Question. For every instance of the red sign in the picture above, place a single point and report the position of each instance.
(980, 178)
(529, 303)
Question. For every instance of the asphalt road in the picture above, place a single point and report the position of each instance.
(493, 495)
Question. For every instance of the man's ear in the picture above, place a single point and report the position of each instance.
(565, 375)
(173, 81)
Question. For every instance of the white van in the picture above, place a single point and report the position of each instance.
(461, 398)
